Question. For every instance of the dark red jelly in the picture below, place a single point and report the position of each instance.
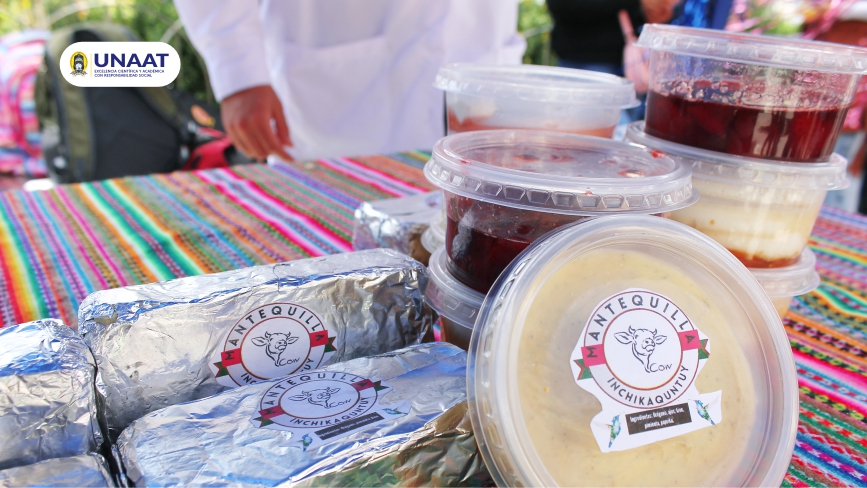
(798, 135)
(483, 238)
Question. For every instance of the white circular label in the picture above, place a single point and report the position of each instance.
(274, 340)
(639, 355)
(652, 342)
(319, 399)
(641, 349)
(274, 347)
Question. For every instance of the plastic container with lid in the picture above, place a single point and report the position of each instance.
(749, 95)
(481, 97)
(762, 211)
(434, 237)
(504, 189)
(783, 284)
(631, 351)
(457, 304)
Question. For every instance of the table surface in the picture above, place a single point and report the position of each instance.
(58, 246)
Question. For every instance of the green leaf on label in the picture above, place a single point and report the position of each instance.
(221, 370)
(585, 371)
(702, 352)
(264, 421)
(378, 386)
(330, 346)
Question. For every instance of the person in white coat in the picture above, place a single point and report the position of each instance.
(349, 76)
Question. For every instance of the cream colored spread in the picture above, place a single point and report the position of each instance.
(754, 222)
(558, 412)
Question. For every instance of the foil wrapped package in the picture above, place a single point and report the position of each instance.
(89, 470)
(394, 419)
(47, 400)
(165, 343)
(396, 223)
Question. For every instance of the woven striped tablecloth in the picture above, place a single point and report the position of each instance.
(58, 246)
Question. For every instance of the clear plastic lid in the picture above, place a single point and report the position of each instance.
(534, 83)
(723, 167)
(559, 173)
(434, 237)
(536, 425)
(787, 53)
(448, 296)
(790, 281)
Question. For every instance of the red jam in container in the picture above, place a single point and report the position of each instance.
(505, 189)
(484, 97)
(747, 95)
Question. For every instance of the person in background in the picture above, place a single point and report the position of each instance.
(587, 33)
(851, 28)
(341, 77)
(709, 14)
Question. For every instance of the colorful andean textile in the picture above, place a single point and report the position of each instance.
(20, 56)
(59, 245)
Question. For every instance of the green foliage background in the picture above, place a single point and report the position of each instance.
(535, 23)
(151, 19)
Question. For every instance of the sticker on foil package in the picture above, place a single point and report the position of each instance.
(271, 341)
(325, 406)
(639, 355)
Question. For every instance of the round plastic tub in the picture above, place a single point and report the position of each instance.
(596, 320)
(457, 305)
(504, 189)
(434, 237)
(783, 284)
(748, 95)
(480, 97)
(762, 211)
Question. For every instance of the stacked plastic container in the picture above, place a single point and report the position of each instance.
(559, 394)
(506, 189)
(757, 118)
(486, 97)
(457, 304)
(434, 236)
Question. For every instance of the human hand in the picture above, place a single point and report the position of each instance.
(658, 11)
(635, 65)
(247, 117)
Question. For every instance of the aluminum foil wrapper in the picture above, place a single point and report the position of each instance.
(396, 223)
(165, 343)
(423, 434)
(47, 398)
(89, 470)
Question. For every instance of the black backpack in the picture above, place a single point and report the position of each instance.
(97, 133)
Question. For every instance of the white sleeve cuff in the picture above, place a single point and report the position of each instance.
(237, 68)
(228, 35)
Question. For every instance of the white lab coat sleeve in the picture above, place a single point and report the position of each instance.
(484, 31)
(229, 36)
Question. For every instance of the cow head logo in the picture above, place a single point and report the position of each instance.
(321, 397)
(275, 345)
(643, 343)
